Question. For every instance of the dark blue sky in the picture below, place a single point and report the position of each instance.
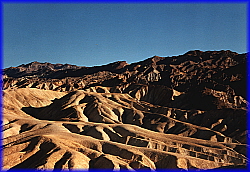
(94, 34)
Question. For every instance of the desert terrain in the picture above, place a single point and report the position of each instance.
(180, 112)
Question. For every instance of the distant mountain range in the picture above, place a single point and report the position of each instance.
(224, 69)
(37, 69)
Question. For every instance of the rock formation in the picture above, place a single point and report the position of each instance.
(181, 112)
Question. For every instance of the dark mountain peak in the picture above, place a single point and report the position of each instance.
(34, 63)
(200, 53)
(37, 68)
(148, 62)
(121, 64)
(155, 59)
(193, 52)
(117, 64)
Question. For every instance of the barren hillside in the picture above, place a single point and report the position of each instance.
(181, 112)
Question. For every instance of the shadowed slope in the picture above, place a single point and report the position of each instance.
(44, 144)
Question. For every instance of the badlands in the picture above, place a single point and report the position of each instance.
(182, 112)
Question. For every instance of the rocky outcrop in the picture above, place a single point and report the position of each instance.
(183, 112)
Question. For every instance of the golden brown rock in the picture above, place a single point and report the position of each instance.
(185, 112)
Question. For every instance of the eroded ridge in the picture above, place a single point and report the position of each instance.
(123, 142)
(184, 112)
